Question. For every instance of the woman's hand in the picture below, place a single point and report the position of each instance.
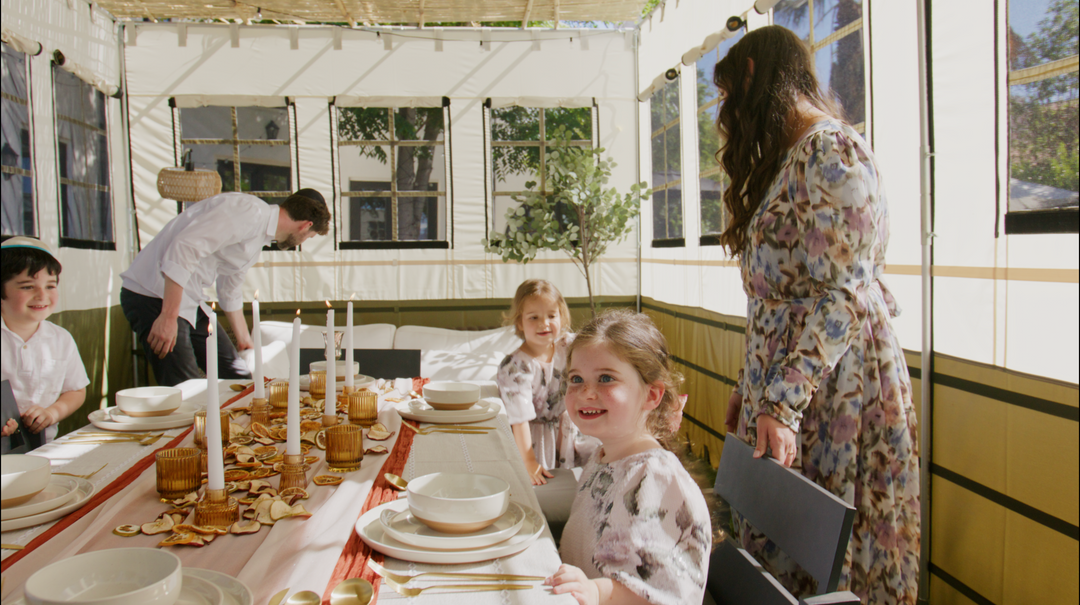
(734, 407)
(9, 427)
(570, 579)
(539, 474)
(775, 434)
(38, 418)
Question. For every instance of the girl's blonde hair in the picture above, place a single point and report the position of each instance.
(635, 339)
(543, 289)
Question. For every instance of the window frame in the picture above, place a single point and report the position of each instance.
(490, 185)
(9, 97)
(62, 181)
(676, 124)
(341, 193)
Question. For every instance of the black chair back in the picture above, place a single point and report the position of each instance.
(377, 363)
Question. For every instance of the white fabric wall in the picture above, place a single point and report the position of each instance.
(549, 67)
(88, 38)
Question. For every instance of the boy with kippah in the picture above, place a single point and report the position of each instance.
(39, 357)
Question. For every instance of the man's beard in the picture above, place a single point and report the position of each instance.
(290, 241)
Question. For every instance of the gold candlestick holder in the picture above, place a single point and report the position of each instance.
(346, 390)
(279, 395)
(363, 408)
(217, 509)
(293, 472)
(317, 384)
(260, 411)
(344, 448)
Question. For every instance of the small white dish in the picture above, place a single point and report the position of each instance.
(119, 415)
(370, 530)
(458, 503)
(118, 576)
(419, 410)
(198, 591)
(57, 493)
(22, 477)
(234, 591)
(404, 527)
(102, 419)
(148, 402)
(85, 492)
(447, 395)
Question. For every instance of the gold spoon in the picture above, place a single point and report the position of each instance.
(354, 591)
(396, 482)
(304, 597)
(279, 597)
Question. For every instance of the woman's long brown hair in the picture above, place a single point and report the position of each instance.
(755, 118)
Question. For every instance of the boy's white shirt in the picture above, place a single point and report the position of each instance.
(42, 368)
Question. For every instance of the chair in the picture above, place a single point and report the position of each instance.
(377, 363)
(808, 523)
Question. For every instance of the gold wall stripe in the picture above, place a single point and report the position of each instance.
(433, 263)
(1061, 276)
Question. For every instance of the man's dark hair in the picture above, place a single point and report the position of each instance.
(309, 205)
(16, 260)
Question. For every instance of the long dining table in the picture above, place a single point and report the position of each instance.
(314, 553)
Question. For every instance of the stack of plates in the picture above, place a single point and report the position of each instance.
(359, 381)
(61, 496)
(421, 411)
(392, 530)
(114, 419)
(198, 587)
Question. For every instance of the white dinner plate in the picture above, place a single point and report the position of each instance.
(186, 410)
(404, 527)
(235, 591)
(103, 420)
(370, 530)
(197, 591)
(419, 410)
(85, 491)
(57, 493)
(359, 381)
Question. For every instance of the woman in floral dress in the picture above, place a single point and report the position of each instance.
(825, 385)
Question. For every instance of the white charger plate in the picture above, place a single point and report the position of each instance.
(103, 420)
(57, 493)
(419, 410)
(359, 381)
(197, 591)
(404, 527)
(235, 591)
(370, 530)
(186, 409)
(85, 491)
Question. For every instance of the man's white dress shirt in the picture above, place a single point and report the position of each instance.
(215, 240)
(42, 368)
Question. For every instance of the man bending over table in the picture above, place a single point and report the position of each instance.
(214, 241)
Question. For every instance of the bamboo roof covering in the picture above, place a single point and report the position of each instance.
(415, 12)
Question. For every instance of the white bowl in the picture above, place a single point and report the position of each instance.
(339, 371)
(117, 576)
(446, 395)
(23, 478)
(149, 401)
(458, 503)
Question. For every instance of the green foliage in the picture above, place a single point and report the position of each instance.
(1059, 170)
(580, 215)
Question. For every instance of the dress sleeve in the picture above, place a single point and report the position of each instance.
(515, 380)
(841, 227)
(655, 542)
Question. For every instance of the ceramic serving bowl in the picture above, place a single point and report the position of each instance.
(446, 395)
(458, 503)
(23, 477)
(317, 366)
(149, 401)
(117, 576)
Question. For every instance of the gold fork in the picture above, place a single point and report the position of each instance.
(445, 428)
(86, 476)
(403, 579)
(414, 592)
(149, 439)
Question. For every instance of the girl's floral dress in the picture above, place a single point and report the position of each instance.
(821, 357)
(642, 522)
(531, 391)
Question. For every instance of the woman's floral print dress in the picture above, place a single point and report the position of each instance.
(822, 358)
(643, 522)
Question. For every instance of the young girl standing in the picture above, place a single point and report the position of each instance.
(639, 530)
(530, 380)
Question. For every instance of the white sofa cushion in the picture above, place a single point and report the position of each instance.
(499, 340)
(276, 336)
(458, 365)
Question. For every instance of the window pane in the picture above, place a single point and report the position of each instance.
(83, 159)
(17, 184)
(673, 156)
(515, 124)
(261, 123)
(577, 121)
(1043, 141)
(206, 123)
(666, 162)
(419, 124)
(659, 176)
(794, 15)
(831, 15)
(369, 217)
(656, 109)
(515, 166)
(1041, 31)
(840, 67)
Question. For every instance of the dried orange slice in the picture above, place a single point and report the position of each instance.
(261, 473)
(259, 430)
(265, 449)
(326, 480)
(310, 425)
(241, 439)
(236, 474)
(277, 415)
(264, 440)
(378, 449)
(320, 440)
(127, 531)
(311, 459)
(294, 491)
(184, 538)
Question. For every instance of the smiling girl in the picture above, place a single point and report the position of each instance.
(530, 380)
(639, 529)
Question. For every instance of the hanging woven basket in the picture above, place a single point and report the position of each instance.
(188, 185)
